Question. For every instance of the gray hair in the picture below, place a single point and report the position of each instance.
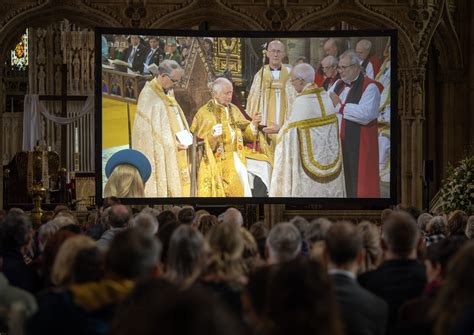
(219, 83)
(186, 255)
(167, 67)
(352, 55)
(423, 220)
(232, 215)
(470, 227)
(331, 60)
(284, 242)
(276, 42)
(317, 230)
(45, 232)
(304, 72)
(366, 44)
(436, 225)
(146, 223)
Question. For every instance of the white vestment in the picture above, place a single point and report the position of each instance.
(384, 122)
(308, 155)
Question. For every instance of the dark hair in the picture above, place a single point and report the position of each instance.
(119, 216)
(110, 201)
(15, 231)
(157, 304)
(343, 242)
(256, 288)
(132, 254)
(442, 251)
(88, 265)
(206, 222)
(400, 233)
(186, 215)
(51, 250)
(165, 217)
(305, 302)
(457, 223)
(164, 235)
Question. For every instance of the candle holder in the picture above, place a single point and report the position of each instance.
(37, 193)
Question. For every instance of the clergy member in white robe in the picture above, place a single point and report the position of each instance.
(308, 155)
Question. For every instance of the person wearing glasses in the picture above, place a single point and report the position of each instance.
(356, 99)
(161, 133)
(308, 155)
(271, 93)
(329, 67)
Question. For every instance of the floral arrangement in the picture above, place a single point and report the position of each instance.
(457, 190)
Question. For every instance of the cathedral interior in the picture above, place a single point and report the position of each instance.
(48, 49)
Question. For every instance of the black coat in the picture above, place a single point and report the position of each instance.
(139, 59)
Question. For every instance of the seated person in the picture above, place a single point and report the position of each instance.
(127, 172)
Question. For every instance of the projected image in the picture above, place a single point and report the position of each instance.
(245, 117)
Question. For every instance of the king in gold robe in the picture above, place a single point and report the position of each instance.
(159, 117)
(223, 170)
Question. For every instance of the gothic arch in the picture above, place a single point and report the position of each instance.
(47, 14)
(218, 16)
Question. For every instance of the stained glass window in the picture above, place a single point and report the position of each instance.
(19, 55)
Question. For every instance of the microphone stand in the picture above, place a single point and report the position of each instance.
(256, 141)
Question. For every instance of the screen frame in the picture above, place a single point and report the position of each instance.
(323, 203)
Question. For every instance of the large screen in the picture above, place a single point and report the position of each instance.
(197, 116)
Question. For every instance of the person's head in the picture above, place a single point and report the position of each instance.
(370, 234)
(226, 248)
(344, 246)
(88, 265)
(125, 182)
(51, 251)
(64, 219)
(60, 209)
(436, 226)
(133, 255)
(363, 49)
(385, 214)
(165, 232)
(438, 256)
(45, 231)
(470, 227)
(456, 294)
(329, 66)
(317, 230)
(250, 256)
(457, 222)
(301, 75)
(119, 216)
(222, 90)
(165, 217)
(283, 243)
(186, 256)
(154, 42)
(259, 232)
(275, 53)
(330, 47)
(145, 222)
(64, 261)
(169, 74)
(157, 305)
(301, 224)
(400, 235)
(134, 40)
(423, 220)
(232, 216)
(15, 232)
(206, 222)
(254, 297)
(301, 60)
(301, 300)
(186, 215)
(349, 66)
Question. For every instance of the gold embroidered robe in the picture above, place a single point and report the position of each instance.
(217, 175)
(154, 134)
(263, 97)
(308, 154)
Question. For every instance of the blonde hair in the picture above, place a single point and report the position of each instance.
(125, 182)
(371, 244)
(64, 262)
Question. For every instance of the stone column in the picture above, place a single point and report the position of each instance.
(411, 113)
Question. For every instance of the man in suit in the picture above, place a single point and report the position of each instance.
(135, 54)
(401, 276)
(362, 312)
(155, 54)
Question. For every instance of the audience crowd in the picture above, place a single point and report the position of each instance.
(181, 271)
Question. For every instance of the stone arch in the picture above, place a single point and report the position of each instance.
(218, 17)
(44, 16)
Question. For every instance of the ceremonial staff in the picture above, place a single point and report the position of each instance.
(257, 138)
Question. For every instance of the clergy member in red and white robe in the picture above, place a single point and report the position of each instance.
(370, 63)
(356, 99)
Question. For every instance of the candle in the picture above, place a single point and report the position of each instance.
(76, 140)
